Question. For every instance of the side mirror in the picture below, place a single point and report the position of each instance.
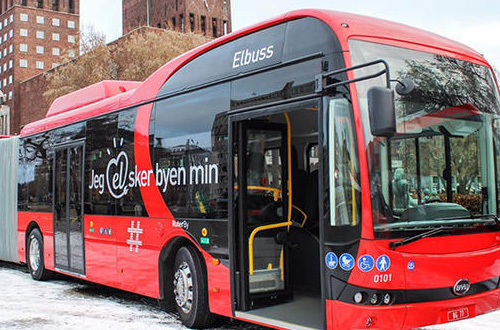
(382, 111)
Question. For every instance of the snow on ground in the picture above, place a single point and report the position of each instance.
(66, 303)
(488, 321)
(71, 304)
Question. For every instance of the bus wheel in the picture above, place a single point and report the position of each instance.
(190, 289)
(35, 259)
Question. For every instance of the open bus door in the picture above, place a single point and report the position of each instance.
(260, 172)
(275, 216)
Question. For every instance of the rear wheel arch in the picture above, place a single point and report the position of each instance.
(165, 267)
(32, 225)
(35, 258)
(184, 249)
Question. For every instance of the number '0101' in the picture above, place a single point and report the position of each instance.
(382, 278)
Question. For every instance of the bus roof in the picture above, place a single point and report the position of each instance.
(108, 96)
(90, 94)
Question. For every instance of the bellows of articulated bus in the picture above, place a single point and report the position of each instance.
(9, 151)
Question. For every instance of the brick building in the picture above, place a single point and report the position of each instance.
(208, 17)
(34, 35)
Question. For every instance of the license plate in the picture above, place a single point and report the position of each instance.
(458, 314)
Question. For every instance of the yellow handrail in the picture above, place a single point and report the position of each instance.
(289, 161)
(288, 223)
(252, 236)
(276, 192)
(303, 214)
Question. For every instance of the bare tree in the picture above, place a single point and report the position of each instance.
(133, 57)
(93, 66)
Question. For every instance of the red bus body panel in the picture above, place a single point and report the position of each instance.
(347, 316)
(44, 222)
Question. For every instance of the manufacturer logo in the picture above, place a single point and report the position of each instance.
(461, 287)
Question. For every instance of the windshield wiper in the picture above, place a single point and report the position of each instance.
(470, 221)
(494, 216)
(432, 232)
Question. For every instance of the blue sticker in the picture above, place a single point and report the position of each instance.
(411, 265)
(331, 260)
(366, 263)
(102, 230)
(346, 261)
(383, 263)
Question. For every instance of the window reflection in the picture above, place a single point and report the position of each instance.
(111, 135)
(35, 175)
(436, 168)
(190, 152)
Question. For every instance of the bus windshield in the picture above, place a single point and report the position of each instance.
(440, 168)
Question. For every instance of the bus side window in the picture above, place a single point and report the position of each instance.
(37, 178)
(193, 152)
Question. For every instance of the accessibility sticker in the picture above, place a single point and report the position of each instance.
(331, 260)
(383, 263)
(346, 261)
(366, 263)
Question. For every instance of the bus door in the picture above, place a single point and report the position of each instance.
(68, 208)
(260, 199)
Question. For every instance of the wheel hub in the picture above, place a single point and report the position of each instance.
(34, 254)
(183, 287)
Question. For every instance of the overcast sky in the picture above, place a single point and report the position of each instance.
(474, 23)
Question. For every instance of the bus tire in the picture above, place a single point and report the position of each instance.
(191, 289)
(34, 257)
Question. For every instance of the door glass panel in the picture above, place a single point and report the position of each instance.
(68, 212)
(75, 208)
(265, 209)
(345, 187)
(60, 210)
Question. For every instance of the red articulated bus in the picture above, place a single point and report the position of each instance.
(320, 170)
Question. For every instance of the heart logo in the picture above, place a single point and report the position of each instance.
(116, 175)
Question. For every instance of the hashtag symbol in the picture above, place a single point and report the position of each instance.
(134, 231)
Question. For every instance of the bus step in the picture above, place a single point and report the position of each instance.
(265, 280)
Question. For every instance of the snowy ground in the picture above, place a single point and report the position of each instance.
(69, 304)
(65, 303)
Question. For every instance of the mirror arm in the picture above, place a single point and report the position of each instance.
(321, 79)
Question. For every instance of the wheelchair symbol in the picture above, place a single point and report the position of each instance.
(366, 263)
